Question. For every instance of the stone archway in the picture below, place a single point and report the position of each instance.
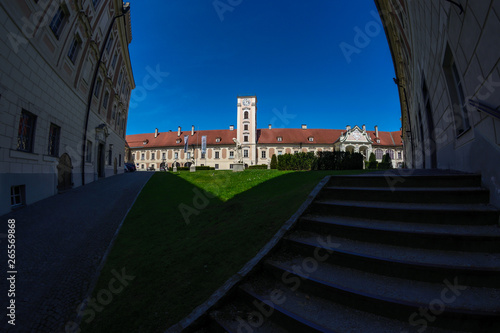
(64, 170)
(350, 149)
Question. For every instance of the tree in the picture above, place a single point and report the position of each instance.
(274, 162)
(372, 163)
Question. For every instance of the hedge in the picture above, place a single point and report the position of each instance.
(338, 160)
(299, 161)
(262, 166)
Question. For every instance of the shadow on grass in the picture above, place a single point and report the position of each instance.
(177, 265)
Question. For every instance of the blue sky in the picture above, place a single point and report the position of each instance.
(191, 59)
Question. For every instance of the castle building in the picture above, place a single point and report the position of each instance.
(65, 84)
(148, 151)
(446, 57)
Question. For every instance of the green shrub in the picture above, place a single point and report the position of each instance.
(205, 167)
(274, 162)
(372, 158)
(386, 162)
(338, 160)
(299, 161)
(262, 166)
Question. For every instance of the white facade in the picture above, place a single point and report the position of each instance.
(50, 50)
(446, 56)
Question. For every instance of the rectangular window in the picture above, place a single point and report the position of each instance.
(399, 155)
(74, 49)
(296, 152)
(54, 134)
(216, 167)
(280, 152)
(88, 155)
(378, 154)
(456, 92)
(97, 88)
(176, 155)
(163, 156)
(109, 44)
(231, 154)
(231, 166)
(105, 100)
(113, 62)
(17, 196)
(263, 154)
(245, 153)
(245, 138)
(120, 77)
(58, 22)
(216, 154)
(391, 154)
(142, 156)
(188, 156)
(26, 131)
(152, 156)
(245, 127)
(203, 155)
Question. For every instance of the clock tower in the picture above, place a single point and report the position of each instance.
(247, 128)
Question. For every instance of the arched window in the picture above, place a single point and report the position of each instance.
(245, 115)
(391, 153)
(378, 154)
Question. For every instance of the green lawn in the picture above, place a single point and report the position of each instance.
(178, 261)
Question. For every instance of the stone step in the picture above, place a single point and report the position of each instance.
(471, 268)
(450, 304)
(238, 316)
(464, 214)
(410, 178)
(299, 311)
(480, 238)
(465, 195)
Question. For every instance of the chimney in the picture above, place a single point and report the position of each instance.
(179, 131)
(304, 126)
(376, 131)
(348, 127)
(156, 132)
(231, 127)
(270, 126)
(192, 130)
(364, 128)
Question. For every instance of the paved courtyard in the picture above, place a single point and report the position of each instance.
(60, 242)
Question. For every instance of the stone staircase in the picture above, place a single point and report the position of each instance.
(405, 253)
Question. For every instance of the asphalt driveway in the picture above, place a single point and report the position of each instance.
(60, 243)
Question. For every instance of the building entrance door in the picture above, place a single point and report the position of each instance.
(64, 169)
(100, 160)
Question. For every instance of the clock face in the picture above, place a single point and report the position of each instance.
(246, 102)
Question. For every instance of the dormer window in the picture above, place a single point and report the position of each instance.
(311, 139)
(145, 142)
(178, 141)
(217, 139)
(378, 140)
(279, 138)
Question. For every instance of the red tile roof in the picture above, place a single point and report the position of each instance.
(298, 135)
(264, 136)
(169, 139)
